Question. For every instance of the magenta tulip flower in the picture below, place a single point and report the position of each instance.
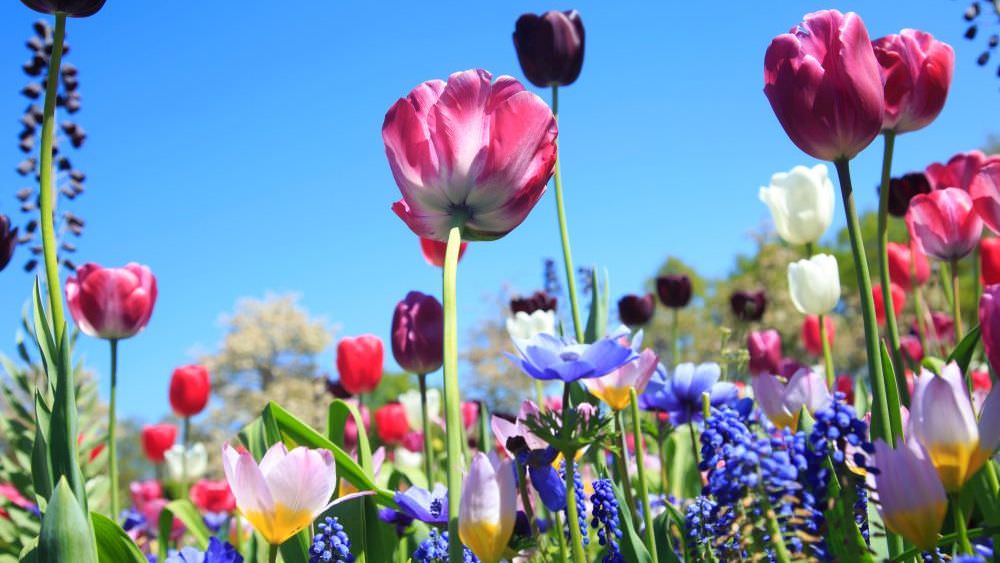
(989, 323)
(985, 192)
(944, 223)
(469, 153)
(917, 71)
(764, 347)
(825, 86)
(961, 171)
(111, 303)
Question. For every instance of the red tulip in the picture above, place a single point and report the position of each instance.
(111, 303)
(433, 251)
(981, 380)
(916, 70)
(908, 264)
(213, 496)
(825, 85)
(418, 333)
(912, 348)
(470, 153)
(845, 384)
(961, 171)
(985, 192)
(898, 301)
(470, 414)
(359, 362)
(944, 223)
(989, 260)
(157, 439)
(390, 422)
(765, 351)
(943, 328)
(810, 334)
(190, 387)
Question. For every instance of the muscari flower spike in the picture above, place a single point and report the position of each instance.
(434, 549)
(604, 518)
(330, 544)
(581, 498)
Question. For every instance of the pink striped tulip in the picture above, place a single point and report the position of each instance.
(985, 192)
(916, 70)
(912, 500)
(488, 508)
(944, 223)
(284, 493)
(783, 403)
(614, 387)
(469, 153)
(111, 303)
(961, 171)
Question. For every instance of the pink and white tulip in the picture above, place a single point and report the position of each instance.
(614, 388)
(111, 303)
(945, 223)
(783, 403)
(912, 500)
(488, 508)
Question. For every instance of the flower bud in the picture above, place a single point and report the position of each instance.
(801, 203)
(111, 303)
(635, 310)
(157, 439)
(359, 362)
(390, 423)
(916, 71)
(418, 333)
(190, 388)
(550, 47)
(912, 501)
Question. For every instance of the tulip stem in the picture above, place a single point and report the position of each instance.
(621, 461)
(881, 410)
(694, 445)
(824, 338)
(272, 553)
(112, 446)
(961, 528)
(46, 189)
(560, 537)
(640, 464)
(891, 327)
(425, 427)
(956, 302)
(454, 427)
(564, 230)
(661, 443)
(674, 342)
(569, 474)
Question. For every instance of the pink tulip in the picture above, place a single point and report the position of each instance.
(908, 265)
(469, 153)
(989, 323)
(615, 388)
(985, 192)
(783, 403)
(912, 501)
(825, 86)
(961, 170)
(111, 303)
(764, 347)
(944, 223)
(917, 70)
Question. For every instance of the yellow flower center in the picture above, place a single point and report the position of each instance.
(281, 524)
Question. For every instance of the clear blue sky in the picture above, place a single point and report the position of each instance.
(236, 149)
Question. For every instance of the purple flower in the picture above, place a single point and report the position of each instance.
(217, 552)
(430, 507)
(547, 357)
(680, 395)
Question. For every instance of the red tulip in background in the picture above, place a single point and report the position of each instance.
(764, 347)
(111, 303)
(944, 223)
(985, 192)
(810, 334)
(471, 153)
(989, 260)
(908, 265)
(190, 387)
(470, 414)
(898, 301)
(550, 47)
(960, 171)
(418, 333)
(825, 85)
(390, 422)
(845, 384)
(942, 328)
(213, 496)
(157, 439)
(912, 348)
(433, 251)
(144, 492)
(359, 362)
(917, 71)
(981, 380)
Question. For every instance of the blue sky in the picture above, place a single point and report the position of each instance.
(238, 151)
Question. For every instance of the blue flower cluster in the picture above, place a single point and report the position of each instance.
(604, 518)
(217, 552)
(330, 544)
(434, 549)
(699, 524)
(581, 499)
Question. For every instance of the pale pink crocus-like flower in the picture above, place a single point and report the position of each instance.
(111, 303)
(504, 430)
(783, 403)
(912, 500)
(469, 153)
(488, 507)
(614, 388)
(944, 223)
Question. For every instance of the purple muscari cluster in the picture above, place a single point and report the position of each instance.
(581, 498)
(604, 518)
(699, 522)
(217, 552)
(434, 549)
(330, 544)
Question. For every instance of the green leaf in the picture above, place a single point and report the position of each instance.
(66, 534)
(113, 544)
(962, 354)
(597, 321)
(42, 330)
(682, 471)
(335, 420)
(41, 465)
(843, 536)
(188, 514)
(632, 547)
(661, 527)
(891, 392)
(63, 432)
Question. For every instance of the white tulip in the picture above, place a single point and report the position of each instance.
(411, 406)
(185, 465)
(523, 326)
(814, 284)
(801, 203)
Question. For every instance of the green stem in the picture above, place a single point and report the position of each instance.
(522, 487)
(892, 329)
(46, 204)
(425, 427)
(781, 554)
(540, 394)
(564, 232)
(272, 553)
(647, 512)
(675, 355)
(112, 444)
(881, 426)
(956, 301)
(572, 513)
(661, 443)
(454, 427)
(621, 461)
(694, 446)
(831, 376)
(961, 527)
(560, 537)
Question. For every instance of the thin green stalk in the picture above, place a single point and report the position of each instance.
(454, 427)
(564, 232)
(540, 394)
(918, 312)
(881, 426)
(46, 190)
(522, 487)
(694, 445)
(661, 443)
(892, 329)
(112, 443)
(675, 354)
(961, 526)
(956, 301)
(621, 460)
(560, 537)
(425, 427)
(272, 553)
(186, 440)
(831, 375)
(647, 512)
(572, 513)
(781, 554)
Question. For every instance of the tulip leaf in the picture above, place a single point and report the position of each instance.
(962, 354)
(66, 534)
(597, 321)
(891, 393)
(984, 486)
(113, 544)
(41, 464)
(684, 479)
(335, 422)
(632, 547)
(188, 514)
(661, 528)
(42, 331)
(844, 537)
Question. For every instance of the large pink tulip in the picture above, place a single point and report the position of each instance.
(985, 192)
(917, 70)
(111, 303)
(961, 171)
(469, 153)
(944, 223)
(825, 85)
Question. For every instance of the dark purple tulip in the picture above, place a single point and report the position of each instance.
(748, 305)
(537, 301)
(636, 310)
(905, 188)
(550, 47)
(674, 290)
(8, 241)
(72, 8)
(418, 333)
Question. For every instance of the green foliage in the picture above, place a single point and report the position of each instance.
(66, 534)
(113, 544)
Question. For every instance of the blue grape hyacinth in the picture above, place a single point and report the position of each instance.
(434, 549)
(604, 518)
(330, 544)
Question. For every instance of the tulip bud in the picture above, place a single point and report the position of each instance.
(359, 362)
(488, 508)
(111, 303)
(635, 310)
(550, 47)
(537, 301)
(186, 464)
(390, 423)
(418, 333)
(904, 189)
(8, 241)
(433, 251)
(810, 334)
(917, 71)
(908, 265)
(944, 223)
(801, 203)
(470, 414)
(985, 192)
(157, 439)
(523, 326)
(189, 390)
(784, 403)
(912, 501)
(72, 8)
(814, 284)
(765, 351)
(898, 301)
(674, 290)
(413, 409)
(748, 305)
(989, 260)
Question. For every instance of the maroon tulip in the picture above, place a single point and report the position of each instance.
(157, 439)
(904, 189)
(537, 301)
(908, 265)
(72, 8)
(989, 260)
(764, 347)
(418, 333)
(810, 334)
(390, 422)
(111, 303)
(8, 241)
(748, 305)
(942, 328)
(944, 223)
(636, 310)
(433, 251)
(916, 70)
(825, 85)
(985, 192)
(359, 362)
(961, 171)
(550, 47)
(989, 323)
(674, 290)
(190, 387)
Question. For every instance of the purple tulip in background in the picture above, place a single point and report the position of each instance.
(636, 310)
(748, 305)
(674, 290)
(418, 333)
(550, 47)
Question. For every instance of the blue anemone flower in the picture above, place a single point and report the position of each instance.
(217, 552)
(548, 357)
(430, 507)
(680, 395)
